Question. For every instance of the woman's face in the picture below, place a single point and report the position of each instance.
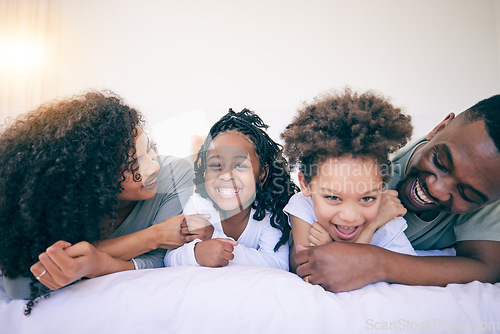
(346, 195)
(233, 168)
(147, 167)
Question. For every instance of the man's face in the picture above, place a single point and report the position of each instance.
(457, 171)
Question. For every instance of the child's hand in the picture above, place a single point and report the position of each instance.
(214, 252)
(196, 227)
(318, 235)
(390, 208)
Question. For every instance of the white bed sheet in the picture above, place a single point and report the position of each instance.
(241, 299)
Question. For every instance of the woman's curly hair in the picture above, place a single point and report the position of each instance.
(346, 123)
(61, 168)
(274, 192)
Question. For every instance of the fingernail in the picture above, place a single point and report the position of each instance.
(206, 216)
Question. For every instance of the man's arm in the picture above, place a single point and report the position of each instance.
(343, 267)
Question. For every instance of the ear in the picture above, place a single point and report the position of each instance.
(304, 187)
(264, 173)
(440, 126)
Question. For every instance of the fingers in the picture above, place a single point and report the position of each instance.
(392, 193)
(232, 242)
(304, 270)
(197, 221)
(302, 255)
(41, 274)
(57, 263)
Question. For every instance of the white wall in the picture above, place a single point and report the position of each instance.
(169, 57)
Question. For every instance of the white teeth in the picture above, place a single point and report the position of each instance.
(227, 191)
(150, 182)
(347, 228)
(420, 194)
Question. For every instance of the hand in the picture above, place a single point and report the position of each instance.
(214, 252)
(339, 266)
(196, 227)
(390, 208)
(167, 234)
(318, 235)
(63, 263)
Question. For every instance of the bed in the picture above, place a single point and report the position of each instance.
(242, 299)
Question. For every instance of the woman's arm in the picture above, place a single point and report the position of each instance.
(62, 264)
(166, 235)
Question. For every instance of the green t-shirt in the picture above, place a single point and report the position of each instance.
(447, 228)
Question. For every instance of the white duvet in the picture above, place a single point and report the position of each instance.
(241, 299)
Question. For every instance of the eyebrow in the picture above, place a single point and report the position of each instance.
(336, 192)
(217, 156)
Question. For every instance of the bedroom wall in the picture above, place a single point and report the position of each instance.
(187, 62)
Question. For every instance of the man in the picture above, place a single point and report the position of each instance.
(450, 184)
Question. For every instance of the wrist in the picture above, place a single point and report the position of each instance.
(382, 264)
(152, 240)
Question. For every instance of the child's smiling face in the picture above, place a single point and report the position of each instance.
(233, 168)
(346, 194)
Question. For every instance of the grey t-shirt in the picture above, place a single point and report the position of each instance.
(174, 187)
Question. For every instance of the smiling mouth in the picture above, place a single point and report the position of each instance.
(346, 232)
(419, 194)
(228, 192)
(151, 183)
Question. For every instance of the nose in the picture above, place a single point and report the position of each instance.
(148, 167)
(440, 186)
(226, 174)
(348, 213)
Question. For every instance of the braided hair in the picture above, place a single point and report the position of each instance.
(275, 190)
(61, 169)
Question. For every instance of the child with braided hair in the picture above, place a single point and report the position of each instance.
(341, 143)
(242, 184)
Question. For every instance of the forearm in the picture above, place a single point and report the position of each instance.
(128, 246)
(366, 235)
(166, 234)
(435, 270)
(113, 265)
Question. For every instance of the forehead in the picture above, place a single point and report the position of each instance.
(347, 169)
(231, 143)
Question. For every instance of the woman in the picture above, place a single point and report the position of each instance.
(82, 194)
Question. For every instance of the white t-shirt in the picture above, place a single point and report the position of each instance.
(255, 245)
(390, 236)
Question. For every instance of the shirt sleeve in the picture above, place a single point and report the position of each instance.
(264, 255)
(482, 224)
(182, 256)
(391, 236)
(301, 207)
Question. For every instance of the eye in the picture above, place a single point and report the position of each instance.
(241, 166)
(368, 199)
(437, 162)
(215, 166)
(333, 198)
(466, 197)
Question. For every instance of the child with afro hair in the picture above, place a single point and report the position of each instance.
(341, 143)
